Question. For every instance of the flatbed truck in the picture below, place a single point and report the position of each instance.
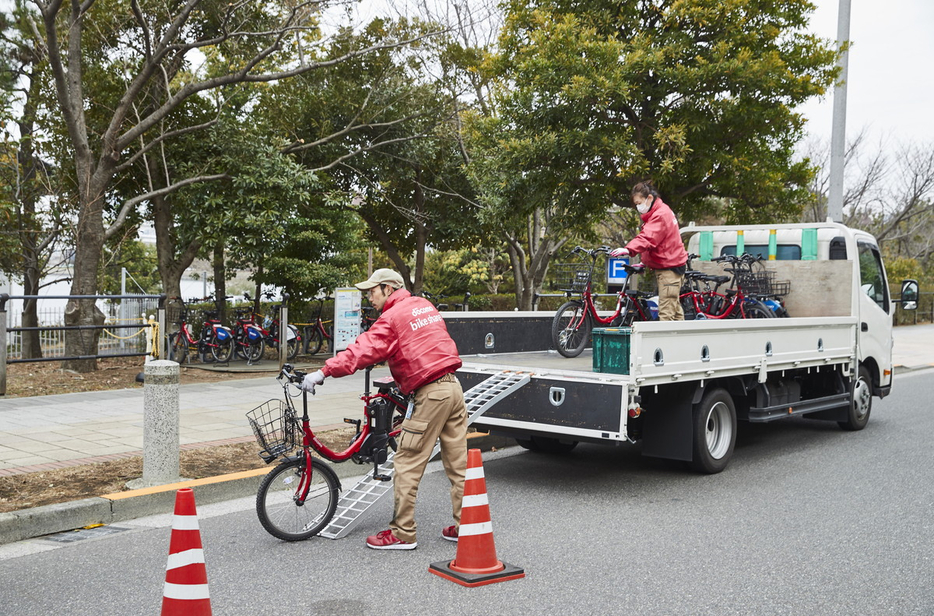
(679, 388)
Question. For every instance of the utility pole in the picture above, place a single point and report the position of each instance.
(838, 133)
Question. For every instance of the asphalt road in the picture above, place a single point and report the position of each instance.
(807, 519)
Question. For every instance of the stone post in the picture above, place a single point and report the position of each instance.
(160, 425)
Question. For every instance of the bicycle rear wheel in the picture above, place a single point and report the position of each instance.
(570, 329)
(178, 347)
(314, 342)
(292, 348)
(276, 505)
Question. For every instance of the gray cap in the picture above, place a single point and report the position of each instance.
(382, 276)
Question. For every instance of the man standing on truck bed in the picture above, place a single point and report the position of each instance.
(659, 243)
(410, 335)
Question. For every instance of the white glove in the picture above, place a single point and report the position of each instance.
(311, 381)
(619, 252)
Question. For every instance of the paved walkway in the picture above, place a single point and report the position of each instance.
(47, 432)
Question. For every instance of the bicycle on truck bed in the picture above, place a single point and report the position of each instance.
(574, 320)
(742, 301)
(298, 498)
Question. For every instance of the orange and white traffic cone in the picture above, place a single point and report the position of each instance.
(475, 563)
(186, 579)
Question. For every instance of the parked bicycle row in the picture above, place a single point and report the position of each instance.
(246, 338)
(748, 292)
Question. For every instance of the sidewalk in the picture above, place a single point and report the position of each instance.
(48, 432)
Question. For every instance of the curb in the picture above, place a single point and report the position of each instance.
(132, 504)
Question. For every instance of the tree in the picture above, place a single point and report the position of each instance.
(109, 61)
(31, 232)
(383, 131)
(695, 94)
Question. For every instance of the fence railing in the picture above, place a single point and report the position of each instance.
(144, 337)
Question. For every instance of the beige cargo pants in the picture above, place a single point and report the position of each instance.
(669, 295)
(439, 413)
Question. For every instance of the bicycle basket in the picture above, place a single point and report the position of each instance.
(755, 283)
(570, 277)
(275, 427)
(763, 283)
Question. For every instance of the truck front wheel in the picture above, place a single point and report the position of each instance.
(714, 432)
(860, 401)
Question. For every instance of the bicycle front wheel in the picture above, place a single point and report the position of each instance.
(221, 350)
(757, 310)
(570, 329)
(279, 510)
(255, 350)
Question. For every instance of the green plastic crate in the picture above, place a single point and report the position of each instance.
(611, 349)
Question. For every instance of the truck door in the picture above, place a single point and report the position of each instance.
(874, 335)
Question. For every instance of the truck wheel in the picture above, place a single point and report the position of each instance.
(544, 444)
(860, 401)
(714, 431)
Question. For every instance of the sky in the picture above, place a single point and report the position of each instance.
(890, 85)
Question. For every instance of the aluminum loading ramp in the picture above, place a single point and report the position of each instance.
(368, 491)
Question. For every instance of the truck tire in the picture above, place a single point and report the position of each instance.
(714, 431)
(860, 401)
(570, 329)
(544, 444)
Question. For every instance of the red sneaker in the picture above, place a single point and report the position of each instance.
(387, 541)
(449, 533)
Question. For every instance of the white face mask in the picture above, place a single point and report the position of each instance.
(644, 206)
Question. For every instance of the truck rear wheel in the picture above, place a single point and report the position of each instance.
(714, 431)
(860, 401)
(544, 444)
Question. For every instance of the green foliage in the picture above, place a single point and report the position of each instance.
(696, 94)
(141, 267)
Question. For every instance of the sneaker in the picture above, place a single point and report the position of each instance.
(387, 541)
(449, 533)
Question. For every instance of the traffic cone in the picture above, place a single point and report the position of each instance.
(475, 563)
(186, 579)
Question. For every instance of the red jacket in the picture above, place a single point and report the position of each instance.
(410, 335)
(659, 242)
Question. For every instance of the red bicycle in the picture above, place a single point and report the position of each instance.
(571, 326)
(298, 498)
(214, 338)
(739, 302)
(317, 333)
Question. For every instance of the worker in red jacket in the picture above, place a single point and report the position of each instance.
(660, 245)
(410, 335)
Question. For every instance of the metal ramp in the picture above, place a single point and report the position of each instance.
(368, 491)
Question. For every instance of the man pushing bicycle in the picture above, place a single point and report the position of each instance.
(410, 335)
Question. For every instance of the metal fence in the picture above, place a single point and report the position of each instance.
(124, 331)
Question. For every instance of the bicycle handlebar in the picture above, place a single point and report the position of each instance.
(289, 373)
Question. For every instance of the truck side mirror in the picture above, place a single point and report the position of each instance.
(909, 297)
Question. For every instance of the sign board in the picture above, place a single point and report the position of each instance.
(615, 274)
(347, 303)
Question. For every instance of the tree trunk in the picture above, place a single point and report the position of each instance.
(171, 269)
(529, 268)
(220, 282)
(89, 244)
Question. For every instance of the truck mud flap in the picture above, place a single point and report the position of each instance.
(668, 422)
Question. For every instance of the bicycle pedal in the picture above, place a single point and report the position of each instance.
(382, 477)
